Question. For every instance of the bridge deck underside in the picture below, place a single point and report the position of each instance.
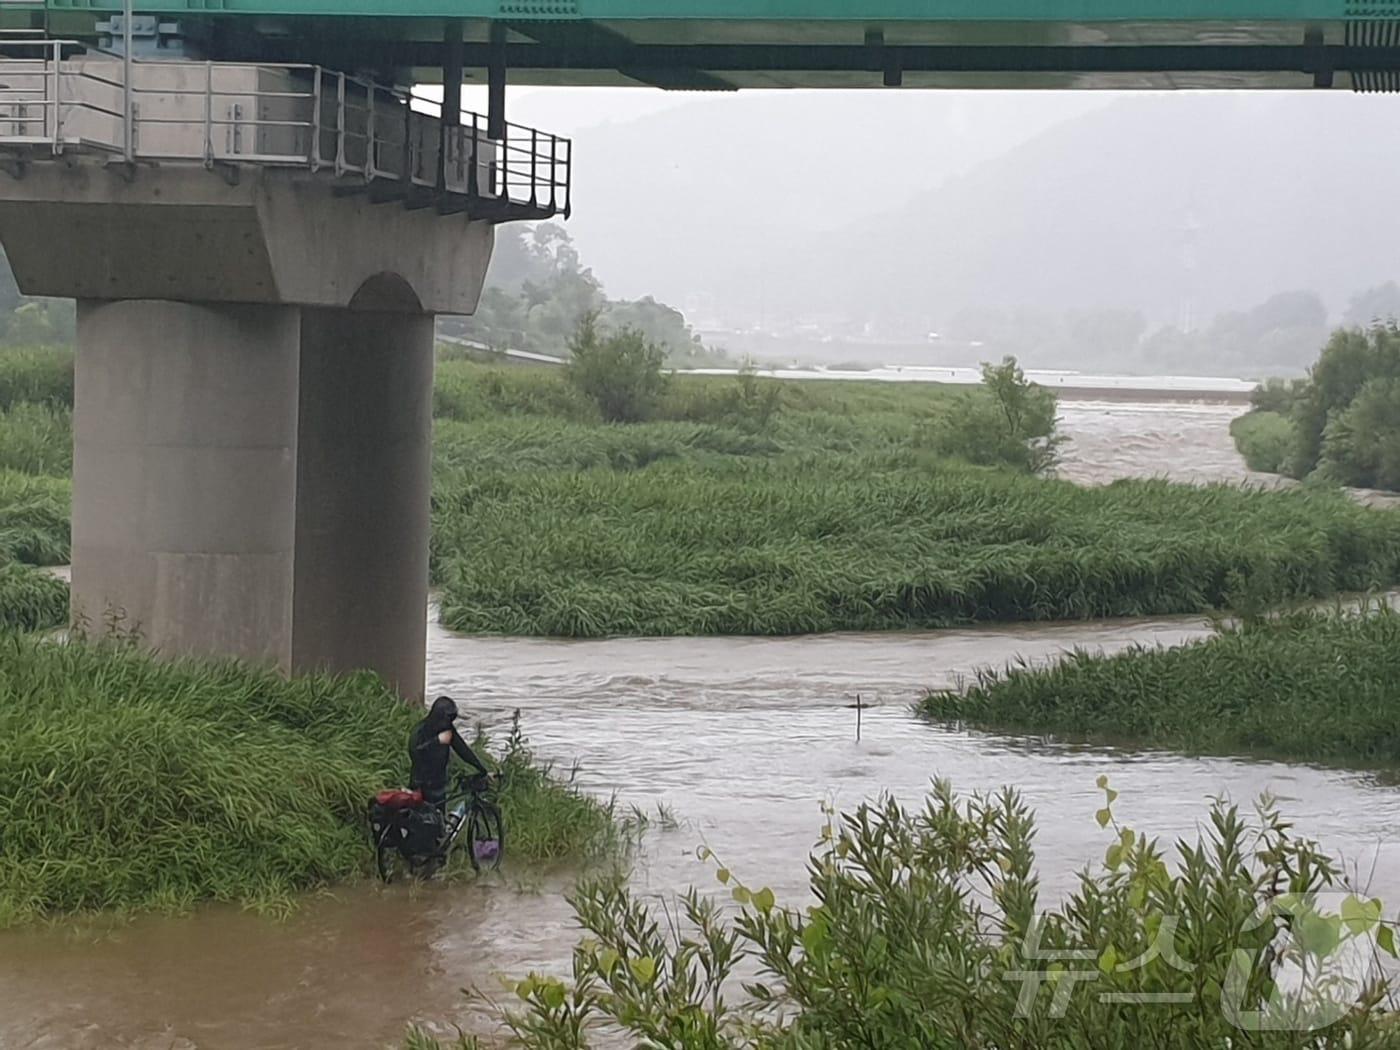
(725, 44)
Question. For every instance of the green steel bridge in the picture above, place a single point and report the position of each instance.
(734, 44)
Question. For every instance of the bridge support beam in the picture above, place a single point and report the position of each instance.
(252, 418)
(253, 481)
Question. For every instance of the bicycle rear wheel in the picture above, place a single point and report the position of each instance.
(484, 837)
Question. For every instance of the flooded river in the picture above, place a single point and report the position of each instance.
(741, 739)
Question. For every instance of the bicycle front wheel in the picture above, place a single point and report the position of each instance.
(485, 837)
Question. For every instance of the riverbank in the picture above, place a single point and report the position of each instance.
(129, 784)
(1305, 686)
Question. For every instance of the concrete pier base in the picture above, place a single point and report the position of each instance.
(254, 481)
(364, 462)
(185, 474)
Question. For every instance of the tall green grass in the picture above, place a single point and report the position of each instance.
(40, 375)
(1266, 440)
(1307, 685)
(799, 545)
(34, 513)
(36, 439)
(31, 600)
(127, 783)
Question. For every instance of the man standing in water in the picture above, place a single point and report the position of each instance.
(429, 749)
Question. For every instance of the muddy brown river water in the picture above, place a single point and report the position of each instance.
(741, 739)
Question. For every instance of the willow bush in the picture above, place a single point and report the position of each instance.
(926, 928)
(1308, 685)
(128, 783)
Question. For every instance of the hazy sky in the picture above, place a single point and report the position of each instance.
(781, 158)
(855, 207)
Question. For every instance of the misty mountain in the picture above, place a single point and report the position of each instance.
(1180, 207)
(905, 210)
(705, 204)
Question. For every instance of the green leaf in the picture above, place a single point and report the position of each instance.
(1360, 915)
(552, 995)
(1112, 796)
(1319, 935)
(607, 960)
(742, 895)
(643, 969)
(1385, 938)
(1114, 856)
(1103, 816)
(1108, 960)
(815, 937)
(526, 988)
(723, 876)
(764, 900)
(1102, 782)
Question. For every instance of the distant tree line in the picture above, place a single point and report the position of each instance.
(538, 293)
(1341, 423)
(1279, 336)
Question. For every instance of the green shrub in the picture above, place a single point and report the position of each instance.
(1277, 395)
(36, 439)
(1361, 445)
(129, 783)
(31, 600)
(1303, 686)
(620, 372)
(36, 375)
(1265, 439)
(1008, 422)
(1352, 358)
(926, 929)
(34, 514)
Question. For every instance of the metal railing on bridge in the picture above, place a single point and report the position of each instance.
(58, 97)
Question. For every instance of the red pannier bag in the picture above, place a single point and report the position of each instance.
(398, 798)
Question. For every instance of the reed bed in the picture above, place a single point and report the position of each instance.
(37, 439)
(31, 600)
(1310, 685)
(36, 375)
(127, 783)
(34, 513)
(820, 543)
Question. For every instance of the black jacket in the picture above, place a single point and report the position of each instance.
(430, 755)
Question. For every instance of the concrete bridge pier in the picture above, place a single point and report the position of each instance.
(252, 418)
